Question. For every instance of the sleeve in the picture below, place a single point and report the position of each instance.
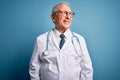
(34, 66)
(86, 63)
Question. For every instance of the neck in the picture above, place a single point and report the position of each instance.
(61, 30)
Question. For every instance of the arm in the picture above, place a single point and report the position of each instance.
(34, 64)
(86, 64)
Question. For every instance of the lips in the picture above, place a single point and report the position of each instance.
(66, 21)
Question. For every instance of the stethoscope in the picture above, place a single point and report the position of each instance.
(77, 50)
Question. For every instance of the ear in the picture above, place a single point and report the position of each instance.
(53, 17)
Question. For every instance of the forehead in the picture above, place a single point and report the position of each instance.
(63, 7)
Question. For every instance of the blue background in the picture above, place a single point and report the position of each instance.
(21, 21)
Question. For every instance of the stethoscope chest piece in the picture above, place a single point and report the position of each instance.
(45, 53)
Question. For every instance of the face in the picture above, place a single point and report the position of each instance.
(62, 18)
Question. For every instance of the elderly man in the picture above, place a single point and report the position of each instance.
(60, 54)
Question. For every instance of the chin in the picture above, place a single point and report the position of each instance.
(66, 28)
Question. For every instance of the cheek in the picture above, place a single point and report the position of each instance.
(71, 19)
(58, 19)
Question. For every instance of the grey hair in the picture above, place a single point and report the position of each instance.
(54, 8)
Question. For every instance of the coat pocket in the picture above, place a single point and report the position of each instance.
(73, 60)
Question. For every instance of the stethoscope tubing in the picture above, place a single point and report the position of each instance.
(47, 42)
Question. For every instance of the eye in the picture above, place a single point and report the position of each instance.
(66, 12)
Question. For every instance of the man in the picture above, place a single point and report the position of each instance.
(60, 54)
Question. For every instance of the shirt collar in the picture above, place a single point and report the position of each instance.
(66, 33)
(57, 33)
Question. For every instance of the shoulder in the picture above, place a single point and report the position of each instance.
(79, 36)
(41, 40)
(42, 36)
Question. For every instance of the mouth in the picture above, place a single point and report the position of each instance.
(66, 21)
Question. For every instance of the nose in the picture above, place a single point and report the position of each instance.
(68, 16)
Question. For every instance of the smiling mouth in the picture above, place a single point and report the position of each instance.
(65, 21)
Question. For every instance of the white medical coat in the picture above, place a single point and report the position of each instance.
(60, 64)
